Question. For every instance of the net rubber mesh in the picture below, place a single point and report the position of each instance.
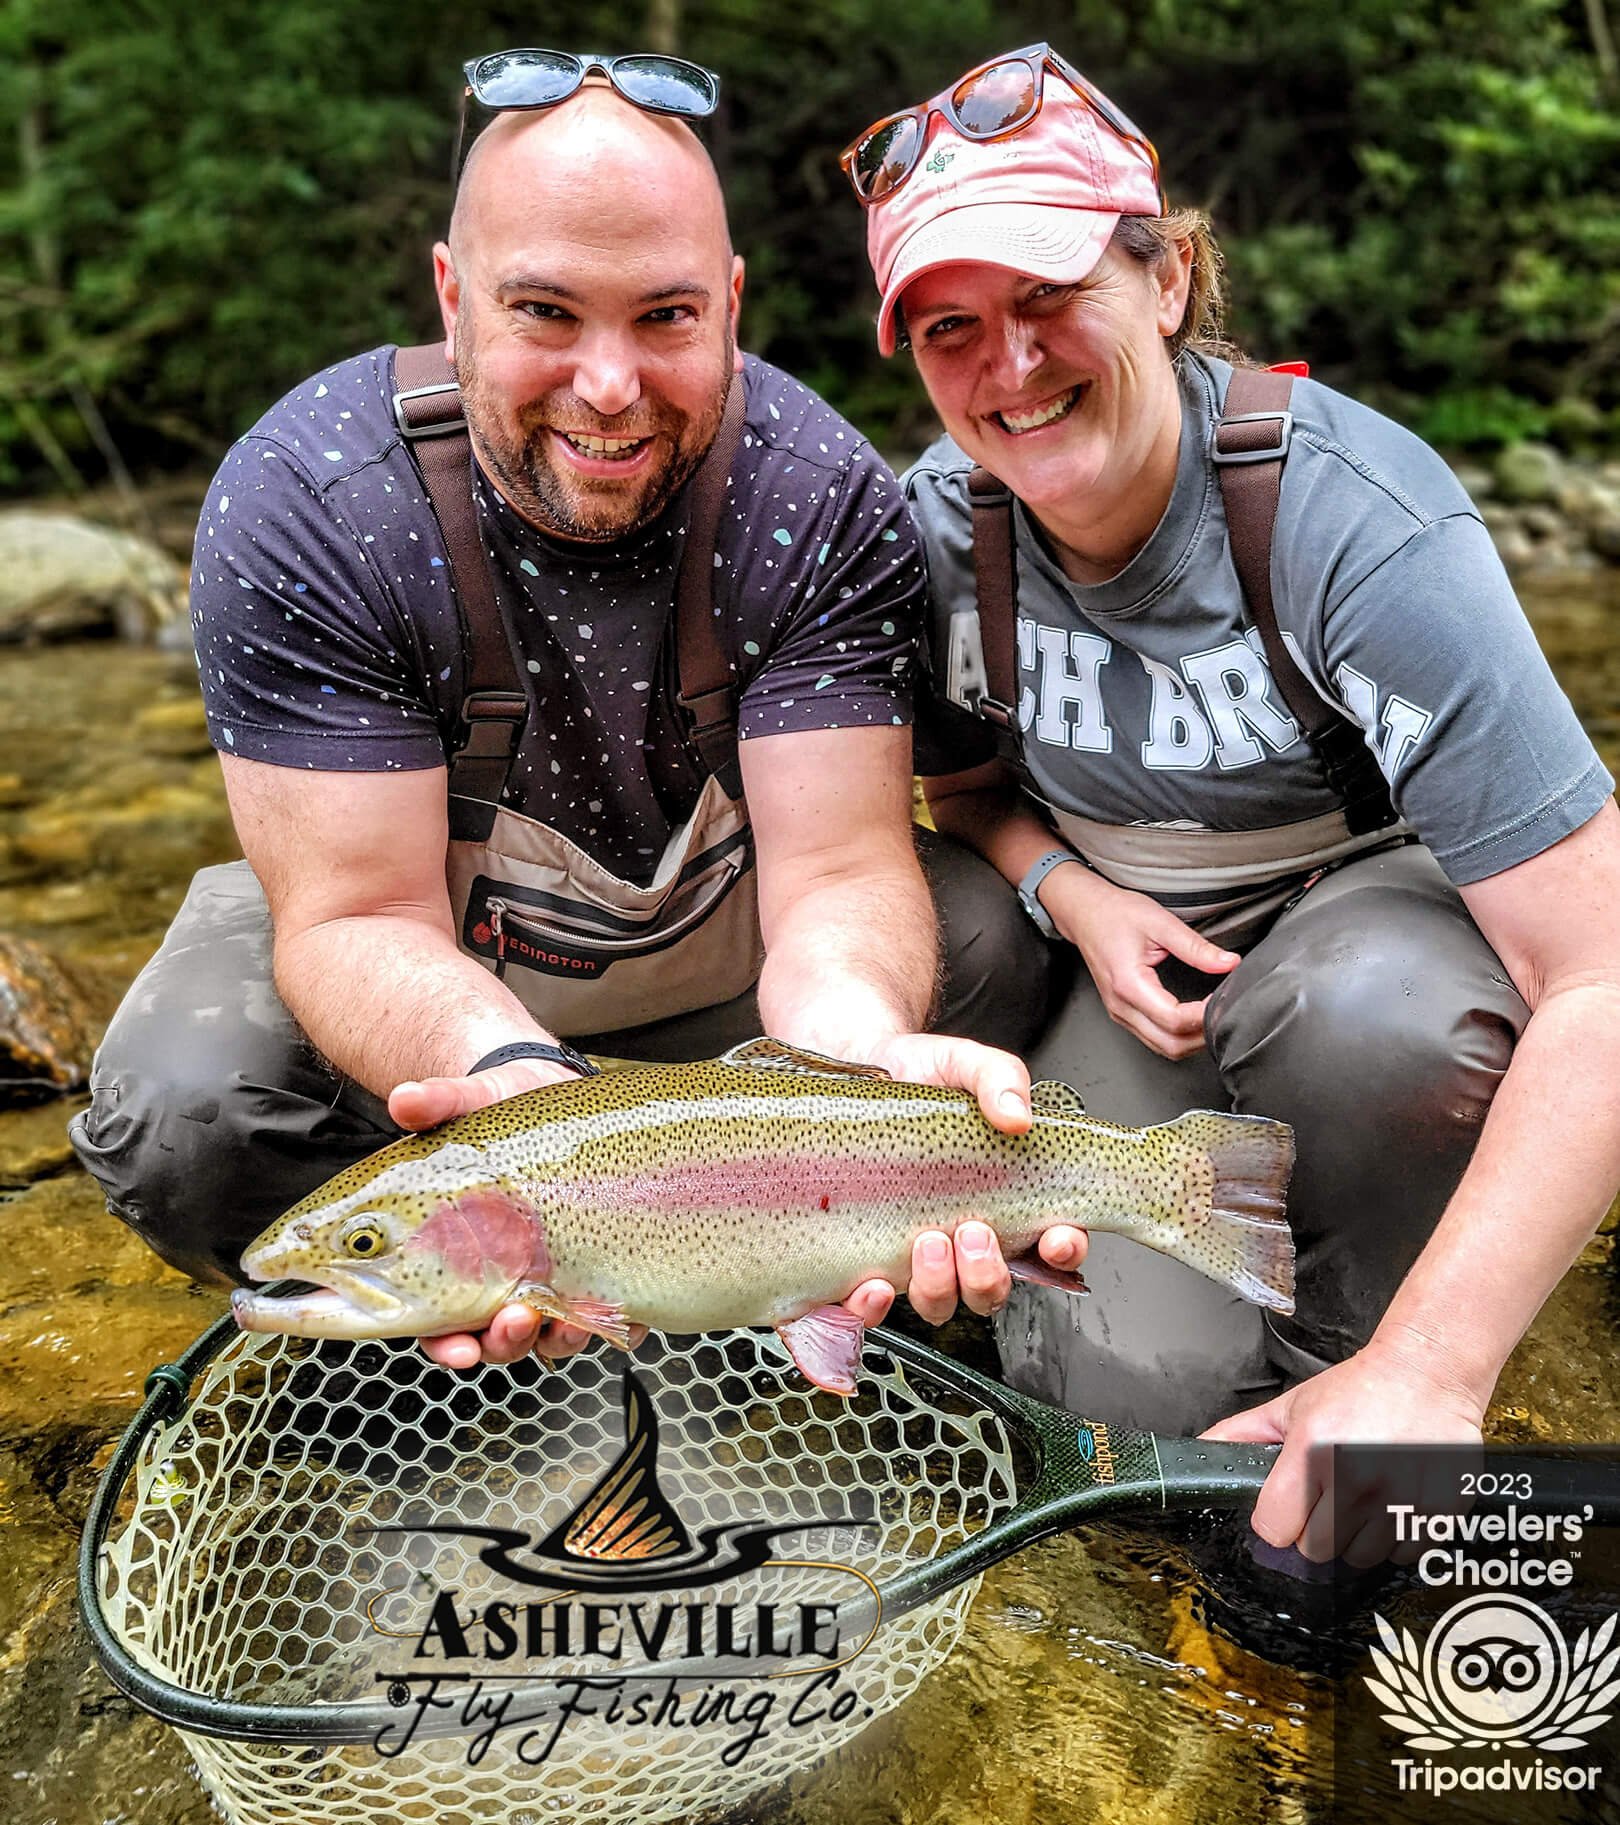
(244, 1565)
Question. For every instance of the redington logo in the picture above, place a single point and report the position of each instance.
(532, 954)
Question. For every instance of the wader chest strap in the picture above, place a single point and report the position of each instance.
(708, 689)
(1249, 448)
(427, 408)
(995, 581)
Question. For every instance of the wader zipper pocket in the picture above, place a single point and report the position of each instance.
(565, 937)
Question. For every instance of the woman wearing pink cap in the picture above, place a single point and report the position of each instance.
(1228, 683)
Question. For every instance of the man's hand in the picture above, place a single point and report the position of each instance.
(514, 1331)
(1374, 1397)
(440, 1099)
(1123, 938)
(999, 1080)
(969, 1263)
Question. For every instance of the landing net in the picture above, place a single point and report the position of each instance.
(245, 1567)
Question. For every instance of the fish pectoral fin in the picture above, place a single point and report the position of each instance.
(1055, 1101)
(601, 1317)
(1033, 1271)
(826, 1346)
(775, 1055)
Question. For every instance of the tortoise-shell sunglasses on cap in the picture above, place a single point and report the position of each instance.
(998, 99)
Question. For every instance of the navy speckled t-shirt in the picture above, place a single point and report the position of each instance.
(328, 637)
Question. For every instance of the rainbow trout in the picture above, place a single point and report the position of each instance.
(759, 1189)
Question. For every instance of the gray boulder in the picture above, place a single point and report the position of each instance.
(63, 578)
(1529, 472)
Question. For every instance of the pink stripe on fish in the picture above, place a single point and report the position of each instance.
(793, 1181)
(480, 1226)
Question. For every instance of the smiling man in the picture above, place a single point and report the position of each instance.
(480, 829)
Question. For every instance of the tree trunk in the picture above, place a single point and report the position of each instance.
(1597, 24)
(664, 26)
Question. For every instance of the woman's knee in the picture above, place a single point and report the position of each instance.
(1402, 1025)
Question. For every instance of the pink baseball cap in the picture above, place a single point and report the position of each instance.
(1044, 200)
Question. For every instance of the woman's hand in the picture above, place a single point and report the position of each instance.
(1375, 1397)
(1123, 938)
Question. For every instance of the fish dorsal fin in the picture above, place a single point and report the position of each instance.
(1057, 1102)
(775, 1055)
(626, 1515)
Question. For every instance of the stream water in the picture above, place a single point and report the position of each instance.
(1101, 1676)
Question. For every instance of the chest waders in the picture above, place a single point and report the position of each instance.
(583, 950)
(1249, 448)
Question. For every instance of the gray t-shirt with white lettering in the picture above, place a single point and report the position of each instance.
(1146, 700)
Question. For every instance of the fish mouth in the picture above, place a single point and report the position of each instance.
(344, 1304)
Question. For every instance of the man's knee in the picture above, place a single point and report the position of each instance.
(209, 1112)
(198, 1161)
(999, 971)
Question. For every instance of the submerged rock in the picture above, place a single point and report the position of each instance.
(45, 1027)
(62, 578)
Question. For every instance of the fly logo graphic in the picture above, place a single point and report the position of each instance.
(1496, 1673)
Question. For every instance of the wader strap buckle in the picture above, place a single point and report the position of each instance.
(1230, 444)
(493, 719)
(416, 419)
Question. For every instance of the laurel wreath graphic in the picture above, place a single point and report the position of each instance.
(1591, 1686)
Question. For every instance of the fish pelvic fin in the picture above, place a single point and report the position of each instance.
(776, 1055)
(826, 1346)
(1244, 1242)
(1033, 1271)
(600, 1317)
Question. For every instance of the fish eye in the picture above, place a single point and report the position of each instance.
(364, 1238)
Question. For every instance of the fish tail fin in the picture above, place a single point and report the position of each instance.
(1243, 1240)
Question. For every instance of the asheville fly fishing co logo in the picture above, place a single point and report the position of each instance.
(623, 1633)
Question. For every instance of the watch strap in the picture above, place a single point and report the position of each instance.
(558, 1054)
(1028, 888)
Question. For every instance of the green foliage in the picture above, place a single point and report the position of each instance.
(199, 206)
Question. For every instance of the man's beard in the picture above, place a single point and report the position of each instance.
(571, 506)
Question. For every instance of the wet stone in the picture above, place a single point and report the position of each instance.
(178, 728)
(46, 1034)
(34, 1142)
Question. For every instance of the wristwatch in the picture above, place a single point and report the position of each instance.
(560, 1054)
(1028, 894)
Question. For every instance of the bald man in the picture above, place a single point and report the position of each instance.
(415, 954)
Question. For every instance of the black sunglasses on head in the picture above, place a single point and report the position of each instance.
(541, 79)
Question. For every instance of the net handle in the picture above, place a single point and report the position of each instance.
(1071, 1486)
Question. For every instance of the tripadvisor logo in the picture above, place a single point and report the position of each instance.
(617, 1601)
(1496, 1673)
